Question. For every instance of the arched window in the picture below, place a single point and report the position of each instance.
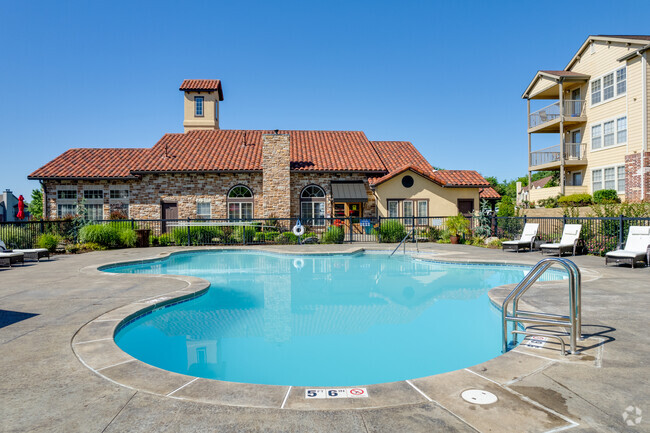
(240, 203)
(312, 205)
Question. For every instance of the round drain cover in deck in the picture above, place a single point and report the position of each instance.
(478, 396)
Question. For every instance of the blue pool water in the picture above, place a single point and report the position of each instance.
(326, 320)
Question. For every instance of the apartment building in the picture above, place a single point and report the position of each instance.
(598, 120)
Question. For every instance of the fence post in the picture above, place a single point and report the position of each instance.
(620, 229)
(525, 219)
(188, 231)
(350, 227)
(413, 228)
(564, 219)
(494, 224)
(42, 227)
(132, 224)
(379, 229)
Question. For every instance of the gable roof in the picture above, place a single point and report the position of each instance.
(489, 193)
(91, 163)
(241, 151)
(202, 85)
(631, 39)
(539, 183)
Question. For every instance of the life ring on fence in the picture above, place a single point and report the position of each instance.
(298, 263)
(298, 229)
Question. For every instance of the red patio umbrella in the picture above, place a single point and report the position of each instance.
(21, 207)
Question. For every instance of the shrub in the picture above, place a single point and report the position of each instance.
(127, 237)
(49, 241)
(494, 243)
(269, 236)
(457, 225)
(72, 248)
(606, 196)
(105, 235)
(244, 232)
(333, 235)
(433, 234)
(550, 202)
(165, 240)
(90, 246)
(575, 200)
(287, 238)
(118, 215)
(392, 231)
(199, 235)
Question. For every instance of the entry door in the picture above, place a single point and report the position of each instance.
(577, 104)
(576, 178)
(169, 212)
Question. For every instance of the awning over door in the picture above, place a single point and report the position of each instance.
(350, 192)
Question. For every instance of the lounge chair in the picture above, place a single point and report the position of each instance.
(569, 242)
(637, 248)
(527, 239)
(8, 259)
(30, 254)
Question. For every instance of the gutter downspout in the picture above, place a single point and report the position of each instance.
(644, 93)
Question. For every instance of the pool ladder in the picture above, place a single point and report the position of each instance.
(573, 320)
(403, 242)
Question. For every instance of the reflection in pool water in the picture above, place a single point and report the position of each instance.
(324, 320)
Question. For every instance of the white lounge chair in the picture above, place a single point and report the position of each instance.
(637, 248)
(30, 254)
(569, 242)
(527, 239)
(11, 258)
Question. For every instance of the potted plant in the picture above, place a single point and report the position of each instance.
(457, 225)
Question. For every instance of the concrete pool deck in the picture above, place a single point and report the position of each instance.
(54, 311)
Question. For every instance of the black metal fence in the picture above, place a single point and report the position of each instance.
(599, 234)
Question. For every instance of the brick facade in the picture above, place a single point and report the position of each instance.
(637, 177)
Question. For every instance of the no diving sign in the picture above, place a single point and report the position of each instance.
(336, 393)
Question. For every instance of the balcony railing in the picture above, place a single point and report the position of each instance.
(572, 108)
(572, 152)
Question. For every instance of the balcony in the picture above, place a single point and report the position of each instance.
(548, 118)
(549, 158)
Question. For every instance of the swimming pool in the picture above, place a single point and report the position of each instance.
(321, 320)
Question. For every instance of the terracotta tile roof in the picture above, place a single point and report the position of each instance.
(460, 178)
(240, 150)
(397, 154)
(488, 193)
(91, 163)
(400, 170)
(202, 85)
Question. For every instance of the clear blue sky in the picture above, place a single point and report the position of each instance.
(447, 76)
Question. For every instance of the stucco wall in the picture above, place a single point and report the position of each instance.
(210, 118)
(442, 201)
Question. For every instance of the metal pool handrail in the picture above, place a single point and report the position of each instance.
(575, 308)
(412, 232)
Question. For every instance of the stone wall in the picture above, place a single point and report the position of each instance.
(635, 176)
(276, 159)
(300, 180)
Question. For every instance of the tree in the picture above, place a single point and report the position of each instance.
(36, 204)
(506, 207)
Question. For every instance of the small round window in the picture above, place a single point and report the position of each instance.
(407, 181)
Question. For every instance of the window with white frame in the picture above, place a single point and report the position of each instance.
(198, 106)
(312, 205)
(240, 203)
(66, 201)
(609, 86)
(609, 178)
(407, 209)
(118, 197)
(203, 209)
(423, 212)
(94, 202)
(393, 208)
(609, 133)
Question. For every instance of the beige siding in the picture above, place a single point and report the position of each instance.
(542, 84)
(442, 201)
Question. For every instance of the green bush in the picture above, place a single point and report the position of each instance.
(287, 238)
(199, 235)
(606, 196)
(107, 235)
(127, 238)
(269, 236)
(575, 200)
(433, 234)
(457, 225)
(392, 231)
(333, 235)
(165, 240)
(548, 203)
(49, 241)
(244, 232)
